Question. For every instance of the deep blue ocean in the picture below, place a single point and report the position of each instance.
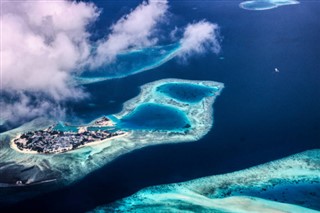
(261, 115)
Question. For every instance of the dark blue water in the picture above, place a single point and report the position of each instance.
(260, 116)
(151, 116)
(185, 92)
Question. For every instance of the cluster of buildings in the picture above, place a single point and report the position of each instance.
(104, 121)
(53, 141)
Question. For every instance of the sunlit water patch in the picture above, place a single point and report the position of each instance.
(265, 188)
(60, 126)
(266, 4)
(37, 171)
(2, 121)
(185, 92)
(156, 117)
(131, 62)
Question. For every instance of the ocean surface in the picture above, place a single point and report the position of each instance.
(261, 115)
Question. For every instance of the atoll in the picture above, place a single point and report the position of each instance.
(27, 169)
(266, 4)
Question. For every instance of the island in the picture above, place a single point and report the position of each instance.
(103, 121)
(49, 141)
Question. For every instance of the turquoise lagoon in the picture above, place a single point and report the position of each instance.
(131, 62)
(155, 117)
(265, 4)
(265, 188)
(60, 126)
(187, 122)
(185, 92)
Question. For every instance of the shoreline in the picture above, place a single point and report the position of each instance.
(15, 147)
(108, 123)
(102, 141)
(27, 151)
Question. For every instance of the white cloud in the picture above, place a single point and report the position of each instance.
(25, 108)
(199, 38)
(132, 31)
(41, 47)
(173, 33)
(44, 44)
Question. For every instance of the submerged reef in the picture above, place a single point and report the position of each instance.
(266, 4)
(185, 92)
(131, 62)
(43, 172)
(290, 185)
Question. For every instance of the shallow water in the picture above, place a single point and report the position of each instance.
(155, 116)
(60, 126)
(186, 92)
(258, 5)
(131, 62)
(266, 4)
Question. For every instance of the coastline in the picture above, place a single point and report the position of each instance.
(26, 151)
(93, 123)
(102, 141)
(15, 147)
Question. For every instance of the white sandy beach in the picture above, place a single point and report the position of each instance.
(105, 140)
(15, 147)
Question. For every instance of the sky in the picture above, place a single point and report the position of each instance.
(43, 49)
